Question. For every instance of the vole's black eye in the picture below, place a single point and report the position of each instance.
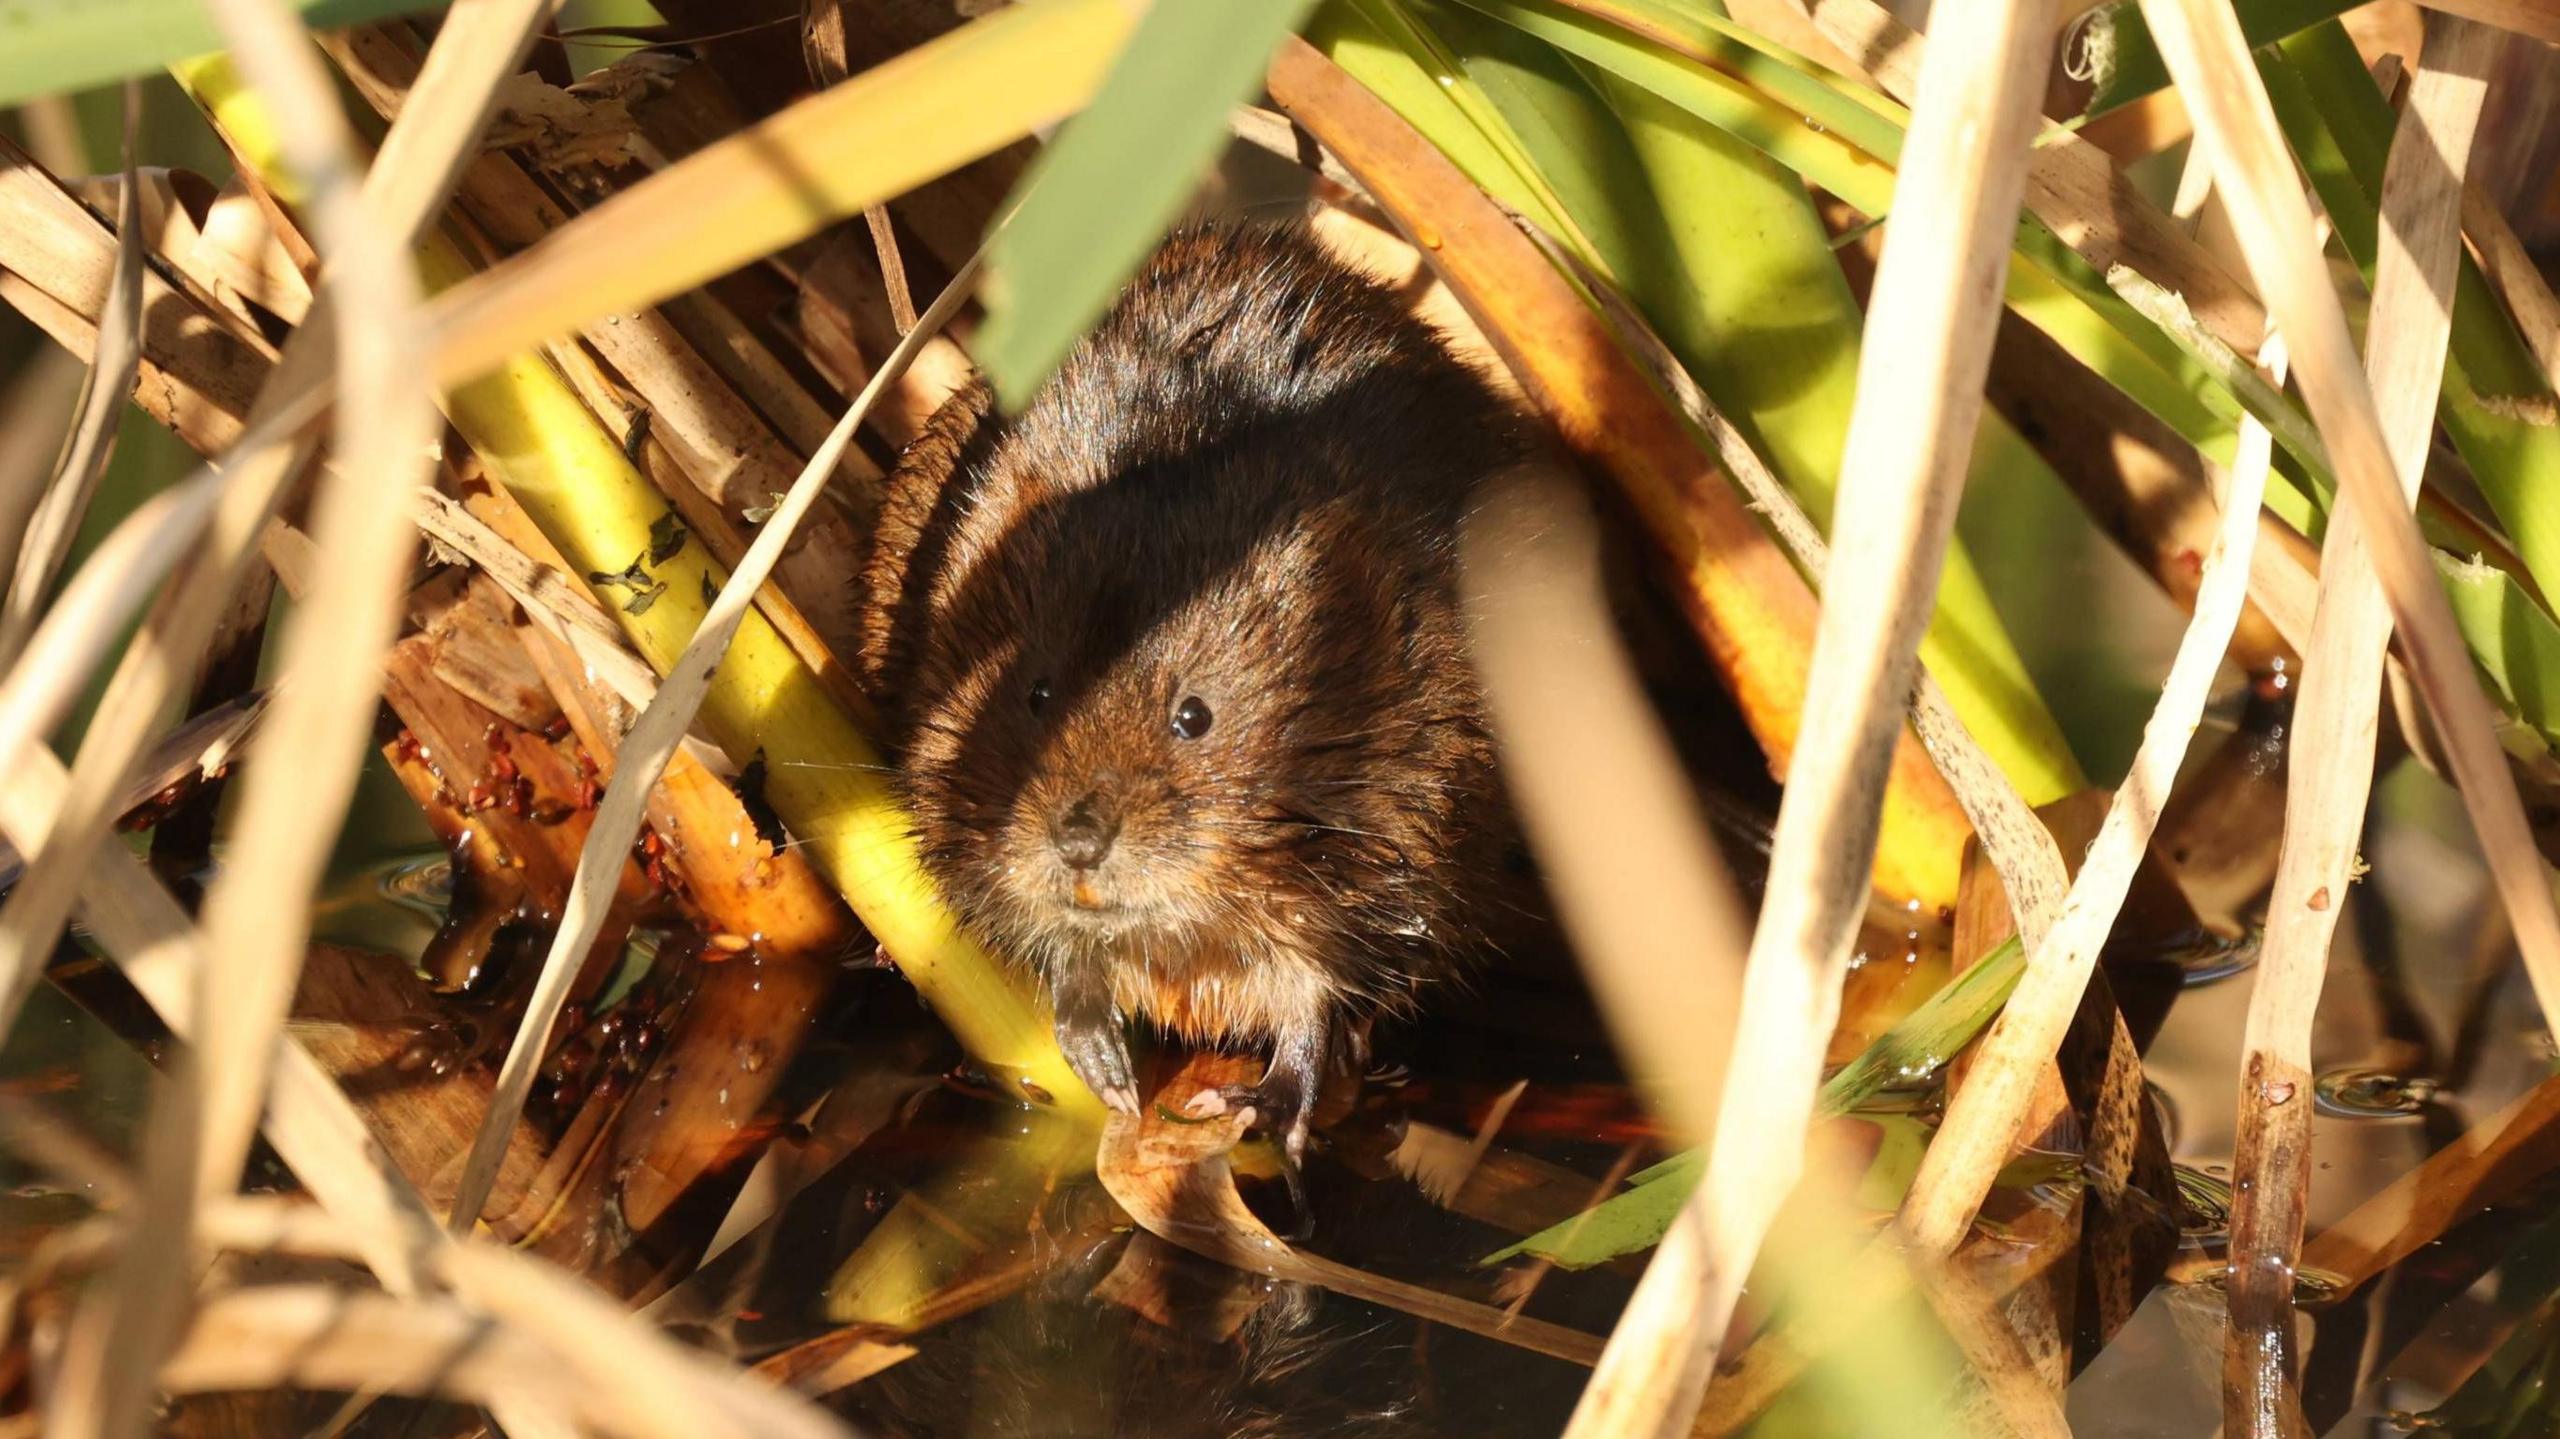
(1039, 696)
(1191, 718)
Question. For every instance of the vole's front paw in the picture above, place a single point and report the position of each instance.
(1099, 1054)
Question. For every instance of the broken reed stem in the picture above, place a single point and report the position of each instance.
(549, 597)
(2379, 464)
(1985, 1115)
(643, 756)
(1937, 297)
(31, 559)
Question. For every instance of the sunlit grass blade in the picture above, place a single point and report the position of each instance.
(1907, 1056)
(1721, 251)
(2047, 284)
(1097, 199)
(1749, 605)
(2497, 403)
(2514, 641)
(1360, 36)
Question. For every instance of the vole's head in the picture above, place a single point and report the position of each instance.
(1185, 707)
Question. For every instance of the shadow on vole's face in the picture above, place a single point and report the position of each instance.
(1155, 720)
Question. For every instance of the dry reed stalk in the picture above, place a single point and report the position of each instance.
(2379, 464)
(579, 1353)
(202, 1128)
(129, 1322)
(680, 1391)
(484, 41)
(722, 446)
(1984, 1117)
(559, 604)
(2017, 1396)
(485, 38)
(33, 545)
(1936, 307)
(1632, 867)
(256, 916)
(730, 202)
(376, 228)
(644, 753)
(56, 265)
(325, 1337)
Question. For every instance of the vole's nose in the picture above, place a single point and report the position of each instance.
(1083, 831)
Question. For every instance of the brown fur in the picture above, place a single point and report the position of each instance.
(1244, 487)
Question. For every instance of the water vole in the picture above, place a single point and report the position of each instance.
(1175, 668)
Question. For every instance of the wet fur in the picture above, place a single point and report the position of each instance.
(1244, 486)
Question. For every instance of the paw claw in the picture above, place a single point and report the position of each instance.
(1099, 1055)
